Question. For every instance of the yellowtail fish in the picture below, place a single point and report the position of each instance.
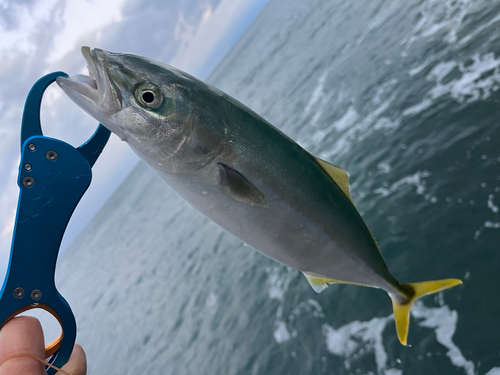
(241, 172)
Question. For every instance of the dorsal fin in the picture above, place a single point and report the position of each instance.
(341, 178)
(337, 174)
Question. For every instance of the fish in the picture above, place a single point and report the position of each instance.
(241, 172)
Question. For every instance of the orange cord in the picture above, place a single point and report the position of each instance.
(38, 359)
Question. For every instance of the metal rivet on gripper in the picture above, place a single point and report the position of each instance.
(27, 167)
(32, 147)
(28, 181)
(51, 155)
(36, 294)
(19, 292)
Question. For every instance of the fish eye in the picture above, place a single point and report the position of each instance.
(149, 97)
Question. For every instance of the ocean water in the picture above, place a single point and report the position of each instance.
(402, 94)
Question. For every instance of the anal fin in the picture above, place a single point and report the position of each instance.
(318, 283)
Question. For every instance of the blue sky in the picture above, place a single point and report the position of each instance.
(41, 36)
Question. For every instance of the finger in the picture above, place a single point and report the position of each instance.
(77, 363)
(21, 335)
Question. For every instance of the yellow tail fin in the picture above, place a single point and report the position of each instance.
(402, 310)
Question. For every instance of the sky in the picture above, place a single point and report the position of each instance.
(41, 36)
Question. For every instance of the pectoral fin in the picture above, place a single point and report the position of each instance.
(337, 174)
(238, 187)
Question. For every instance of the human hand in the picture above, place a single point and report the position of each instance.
(23, 336)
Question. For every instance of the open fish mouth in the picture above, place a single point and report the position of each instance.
(96, 93)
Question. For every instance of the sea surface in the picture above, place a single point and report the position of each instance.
(402, 94)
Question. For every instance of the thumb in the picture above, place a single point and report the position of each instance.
(77, 363)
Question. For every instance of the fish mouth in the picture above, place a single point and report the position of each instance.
(96, 93)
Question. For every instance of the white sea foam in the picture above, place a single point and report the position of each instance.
(318, 93)
(487, 224)
(480, 27)
(444, 322)
(494, 371)
(417, 108)
(311, 306)
(441, 70)
(279, 282)
(471, 86)
(384, 167)
(377, 20)
(360, 338)
(350, 125)
(439, 16)
(416, 179)
(281, 333)
(385, 124)
(279, 279)
(355, 129)
(357, 338)
(346, 122)
(383, 89)
(319, 99)
(490, 224)
(393, 371)
(421, 67)
(476, 80)
(491, 205)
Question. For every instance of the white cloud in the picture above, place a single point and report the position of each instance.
(184, 31)
(21, 37)
(84, 19)
(206, 14)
